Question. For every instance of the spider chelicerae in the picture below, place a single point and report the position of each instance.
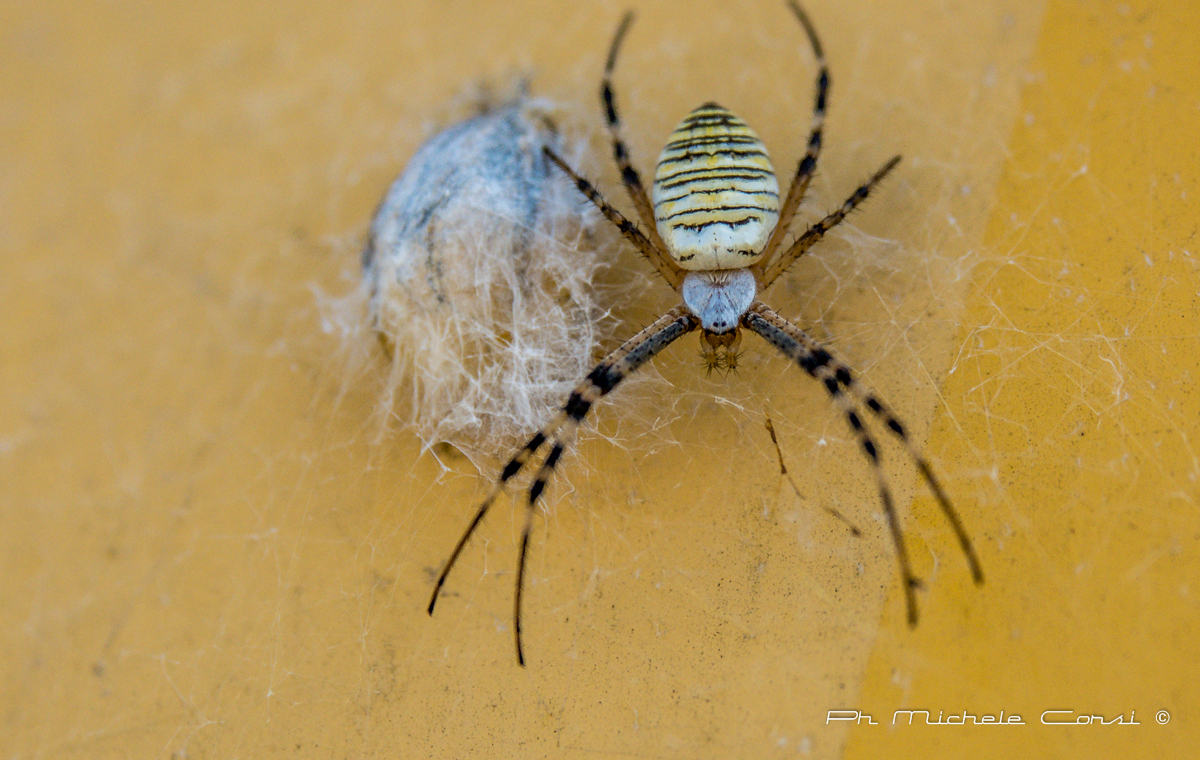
(715, 232)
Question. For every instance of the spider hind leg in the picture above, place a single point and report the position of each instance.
(808, 164)
(769, 272)
(629, 175)
(653, 252)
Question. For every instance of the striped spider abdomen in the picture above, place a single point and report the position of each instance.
(716, 200)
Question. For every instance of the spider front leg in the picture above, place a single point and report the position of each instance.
(611, 370)
(764, 321)
(845, 377)
(514, 466)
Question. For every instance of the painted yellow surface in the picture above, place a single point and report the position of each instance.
(1076, 381)
(210, 550)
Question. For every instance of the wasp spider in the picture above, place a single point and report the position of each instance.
(714, 230)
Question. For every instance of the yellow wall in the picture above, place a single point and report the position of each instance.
(209, 550)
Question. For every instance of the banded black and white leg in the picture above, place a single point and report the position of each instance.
(514, 466)
(808, 163)
(844, 375)
(836, 376)
(560, 431)
(657, 256)
(771, 272)
(612, 119)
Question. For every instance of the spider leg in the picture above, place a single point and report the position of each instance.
(629, 175)
(656, 256)
(600, 381)
(514, 466)
(808, 164)
(762, 320)
(845, 377)
(611, 370)
(818, 230)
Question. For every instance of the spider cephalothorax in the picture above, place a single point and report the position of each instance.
(714, 232)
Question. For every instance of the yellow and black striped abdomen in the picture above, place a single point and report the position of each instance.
(716, 200)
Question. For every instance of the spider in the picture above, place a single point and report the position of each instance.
(715, 233)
